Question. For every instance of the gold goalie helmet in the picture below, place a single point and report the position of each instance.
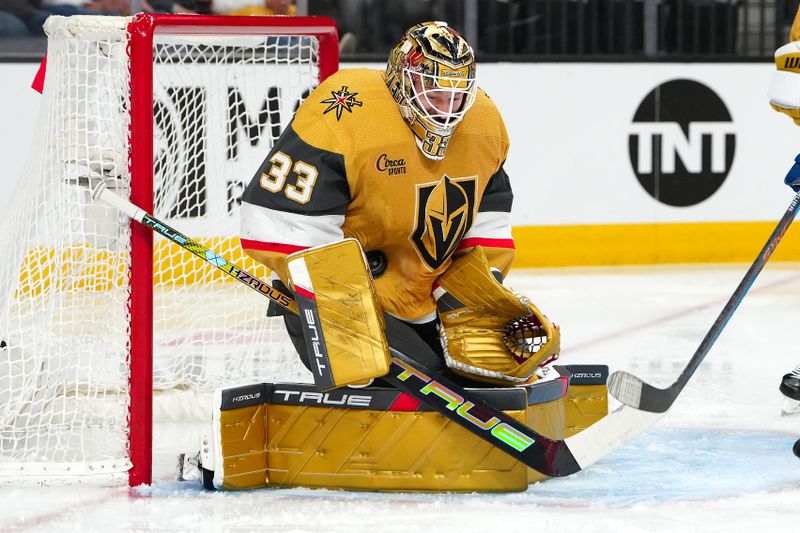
(431, 75)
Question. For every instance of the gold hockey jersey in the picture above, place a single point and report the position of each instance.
(348, 166)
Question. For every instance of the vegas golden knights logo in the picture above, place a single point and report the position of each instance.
(444, 214)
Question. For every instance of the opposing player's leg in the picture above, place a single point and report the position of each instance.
(790, 388)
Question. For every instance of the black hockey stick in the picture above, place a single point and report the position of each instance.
(551, 457)
(634, 392)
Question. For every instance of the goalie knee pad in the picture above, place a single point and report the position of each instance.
(487, 331)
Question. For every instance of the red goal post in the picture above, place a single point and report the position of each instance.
(142, 30)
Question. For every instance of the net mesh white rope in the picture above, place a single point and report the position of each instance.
(219, 103)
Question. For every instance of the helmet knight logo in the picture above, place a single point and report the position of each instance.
(444, 213)
(341, 100)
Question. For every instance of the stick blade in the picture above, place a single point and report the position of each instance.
(609, 434)
(626, 388)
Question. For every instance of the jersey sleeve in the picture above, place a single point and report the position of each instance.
(492, 226)
(297, 199)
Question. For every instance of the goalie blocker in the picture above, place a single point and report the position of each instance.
(339, 314)
(292, 435)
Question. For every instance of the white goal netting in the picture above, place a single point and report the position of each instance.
(220, 99)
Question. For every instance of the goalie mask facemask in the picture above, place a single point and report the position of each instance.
(431, 75)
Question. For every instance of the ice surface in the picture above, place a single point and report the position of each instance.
(720, 460)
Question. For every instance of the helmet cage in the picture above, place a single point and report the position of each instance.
(439, 102)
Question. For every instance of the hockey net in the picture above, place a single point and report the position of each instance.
(177, 112)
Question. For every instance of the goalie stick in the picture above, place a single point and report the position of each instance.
(634, 392)
(551, 457)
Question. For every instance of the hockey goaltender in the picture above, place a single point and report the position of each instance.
(384, 208)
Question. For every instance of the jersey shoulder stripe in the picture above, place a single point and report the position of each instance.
(490, 224)
(486, 243)
(264, 225)
(276, 247)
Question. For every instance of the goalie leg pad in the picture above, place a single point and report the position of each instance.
(292, 435)
(342, 320)
(236, 447)
(586, 400)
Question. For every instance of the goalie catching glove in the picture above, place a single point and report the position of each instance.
(488, 332)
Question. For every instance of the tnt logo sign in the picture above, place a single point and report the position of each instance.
(681, 143)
